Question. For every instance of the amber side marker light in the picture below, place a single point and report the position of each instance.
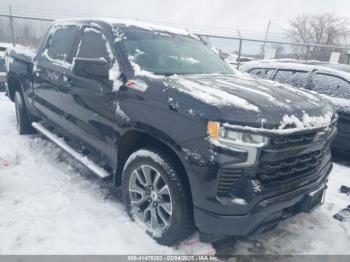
(214, 130)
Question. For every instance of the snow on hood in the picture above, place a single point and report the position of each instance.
(211, 95)
(246, 101)
(342, 104)
(306, 122)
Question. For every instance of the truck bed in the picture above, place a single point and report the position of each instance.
(26, 55)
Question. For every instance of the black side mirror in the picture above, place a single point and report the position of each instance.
(91, 67)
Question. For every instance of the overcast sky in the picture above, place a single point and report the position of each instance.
(243, 14)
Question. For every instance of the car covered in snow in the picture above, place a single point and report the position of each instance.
(194, 144)
(323, 78)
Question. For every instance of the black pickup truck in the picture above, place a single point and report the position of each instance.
(192, 143)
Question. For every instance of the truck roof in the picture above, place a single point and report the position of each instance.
(124, 22)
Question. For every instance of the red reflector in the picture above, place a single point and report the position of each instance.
(137, 85)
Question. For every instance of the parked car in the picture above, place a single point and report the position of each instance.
(2, 72)
(193, 143)
(330, 83)
(4, 46)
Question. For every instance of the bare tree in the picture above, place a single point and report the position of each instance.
(325, 29)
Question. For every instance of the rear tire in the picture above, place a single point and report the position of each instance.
(156, 195)
(23, 124)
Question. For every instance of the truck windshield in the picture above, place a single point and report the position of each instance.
(2, 65)
(169, 54)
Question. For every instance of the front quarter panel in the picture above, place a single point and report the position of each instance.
(178, 115)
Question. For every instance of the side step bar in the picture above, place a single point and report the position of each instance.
(62, 144)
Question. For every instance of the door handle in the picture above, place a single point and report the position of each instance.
(67, 81)
(173, 106)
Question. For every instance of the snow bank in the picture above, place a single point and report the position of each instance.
(49, 204)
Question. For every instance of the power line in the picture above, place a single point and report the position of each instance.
(49, 14)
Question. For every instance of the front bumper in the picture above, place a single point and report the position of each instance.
(264, 215)
(236, 200)
(341, 143)
(2, 86)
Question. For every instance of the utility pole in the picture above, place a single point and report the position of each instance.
(239, 49)
(12, 28)
(266, 34)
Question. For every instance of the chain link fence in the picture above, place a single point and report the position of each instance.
(233, 47)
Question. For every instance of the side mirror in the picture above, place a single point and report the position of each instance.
(91, 67)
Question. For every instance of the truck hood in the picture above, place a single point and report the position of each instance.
(246, 101)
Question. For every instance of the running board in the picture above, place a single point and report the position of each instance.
(62, 144)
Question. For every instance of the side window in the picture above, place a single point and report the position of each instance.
(262, 72)
(61, 43)
(292, 77)
(2, 65)
(332, 85)
(93, 45)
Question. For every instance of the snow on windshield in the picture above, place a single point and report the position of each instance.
(165, 54)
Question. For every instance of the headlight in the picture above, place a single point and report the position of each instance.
(229, 136)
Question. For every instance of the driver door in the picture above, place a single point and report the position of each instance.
(89, 102)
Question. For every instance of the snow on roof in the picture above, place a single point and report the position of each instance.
(271, 63)
(6, 45)
(293, 65)
(129, 23)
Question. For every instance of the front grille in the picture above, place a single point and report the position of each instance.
(295, 166)
(228, 178)
(293, 139)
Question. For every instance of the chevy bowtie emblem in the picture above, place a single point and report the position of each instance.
(318, 136)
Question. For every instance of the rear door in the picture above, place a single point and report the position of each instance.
(337, 90)
(331, 85)
(49, 68)
(88, 102)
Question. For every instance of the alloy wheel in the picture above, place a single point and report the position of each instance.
(150, 199)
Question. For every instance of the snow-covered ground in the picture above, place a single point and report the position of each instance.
(49, 204)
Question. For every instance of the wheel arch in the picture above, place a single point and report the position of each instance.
(133, 140)
(13, 85)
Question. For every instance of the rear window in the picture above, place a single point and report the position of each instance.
(2, 65)
(292, 77)
(265, 73)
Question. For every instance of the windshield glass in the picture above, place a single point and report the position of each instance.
(2, 65)
(168, 54)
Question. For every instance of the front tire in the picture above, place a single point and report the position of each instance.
(23, 124)
(156, 195)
